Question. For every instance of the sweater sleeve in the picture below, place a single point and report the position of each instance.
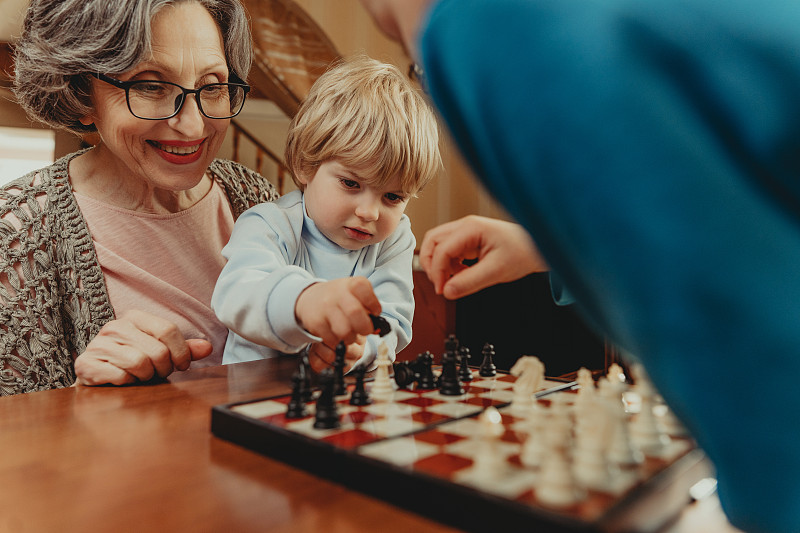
(257, 289)
(652, 149)
(392, 281)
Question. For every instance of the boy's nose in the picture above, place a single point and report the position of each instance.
(368, 208)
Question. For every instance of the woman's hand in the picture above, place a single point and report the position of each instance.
(137, 347)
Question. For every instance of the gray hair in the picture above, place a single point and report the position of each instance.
(63, 40)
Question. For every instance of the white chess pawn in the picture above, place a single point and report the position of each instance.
(532, 426)
(621, 450)
(615, 374)
(586, 391)
(646, 431)
(667, 419)
(556, 485)
(382, 389)
(489, 463)
(590, 466)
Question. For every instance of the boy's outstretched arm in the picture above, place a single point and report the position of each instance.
(338, 310)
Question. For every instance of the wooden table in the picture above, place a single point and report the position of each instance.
(142, 458)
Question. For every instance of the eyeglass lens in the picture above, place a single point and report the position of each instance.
(155, 100)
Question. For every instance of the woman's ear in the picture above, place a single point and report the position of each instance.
(86, 120)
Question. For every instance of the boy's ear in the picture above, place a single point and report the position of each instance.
(303, 178)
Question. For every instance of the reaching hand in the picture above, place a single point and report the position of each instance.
(338, 310)
(504, 250)
(321, 356)
(137, 347)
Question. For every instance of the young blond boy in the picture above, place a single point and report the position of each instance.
(307, 270)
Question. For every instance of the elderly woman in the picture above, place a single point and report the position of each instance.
(109, 256)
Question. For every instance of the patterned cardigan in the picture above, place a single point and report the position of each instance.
(53, 297)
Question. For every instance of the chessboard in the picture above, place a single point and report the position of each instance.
(593, 454)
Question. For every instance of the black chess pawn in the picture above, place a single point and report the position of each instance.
(464, 373)
(339, 388)
(451, 344)
(297, 405)
(360, 396)
(327, 415)
(449, 384)
(304, 369)
(426, 380)
(487, 368)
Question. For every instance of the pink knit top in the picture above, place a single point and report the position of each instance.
(166, 265)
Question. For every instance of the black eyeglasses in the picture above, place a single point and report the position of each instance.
(157, 100)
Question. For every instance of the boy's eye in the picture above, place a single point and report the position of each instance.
(394, 198)
(350, 184)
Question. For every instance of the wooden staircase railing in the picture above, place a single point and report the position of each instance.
(262, 154)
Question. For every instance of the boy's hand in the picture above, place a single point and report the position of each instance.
(321, 356)
(338, 310)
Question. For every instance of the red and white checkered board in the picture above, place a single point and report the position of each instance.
(407, 412)
(420, 446)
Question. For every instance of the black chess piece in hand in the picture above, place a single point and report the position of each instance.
(381, 325)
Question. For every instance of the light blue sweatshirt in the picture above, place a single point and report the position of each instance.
(275, 252)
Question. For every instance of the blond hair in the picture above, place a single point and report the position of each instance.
(366, 115)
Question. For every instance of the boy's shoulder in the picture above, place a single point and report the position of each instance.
(287, 204)
(291, 199)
